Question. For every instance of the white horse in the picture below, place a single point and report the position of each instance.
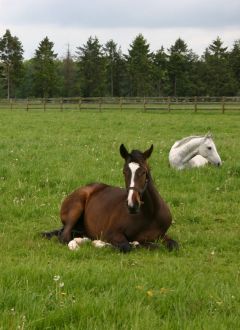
(194, 151)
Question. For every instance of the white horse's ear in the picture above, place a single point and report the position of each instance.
(209, 135)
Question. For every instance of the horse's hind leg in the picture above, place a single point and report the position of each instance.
(170, 243)
(70, 216)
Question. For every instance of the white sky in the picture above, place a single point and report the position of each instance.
(197, 22)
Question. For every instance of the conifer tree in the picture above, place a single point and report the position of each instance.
(11, 60)
(45, 74)
(217, 73)
(234, 61)
(160, 72)
(140, 65)
(178, 67)
(91, 64)
(115, 72)
(69, 75)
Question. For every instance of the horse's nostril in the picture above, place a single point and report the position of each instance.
(133, 209)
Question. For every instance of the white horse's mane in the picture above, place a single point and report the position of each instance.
(189, 138)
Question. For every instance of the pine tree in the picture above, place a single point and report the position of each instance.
(25, 89)
(45, 74)
(234, 60)
(179, 67)
(11, 60)
(160, 72)
(69, 75)
(218, 76)
(114, 68)
(92, 68)
(140, 65)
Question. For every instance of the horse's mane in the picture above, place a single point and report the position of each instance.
(186, 140)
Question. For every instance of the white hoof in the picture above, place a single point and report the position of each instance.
(72, 245)
(99, 244)
(134, 243)
(81, 240)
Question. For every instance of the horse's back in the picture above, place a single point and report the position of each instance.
(76, 201)
(104, 209)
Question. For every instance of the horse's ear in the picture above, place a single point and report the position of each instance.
(123, 151)
(209, 135)
(148, 152)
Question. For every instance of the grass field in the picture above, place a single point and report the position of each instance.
(43, 285)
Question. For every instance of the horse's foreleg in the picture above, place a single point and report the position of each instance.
(69, 219)
(169, 243)
(120, 242)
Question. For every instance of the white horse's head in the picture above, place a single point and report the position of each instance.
(208, 150)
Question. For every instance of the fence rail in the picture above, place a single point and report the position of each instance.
(168, 104)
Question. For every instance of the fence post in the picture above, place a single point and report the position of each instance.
(11, 104)
(61, 104)
(100, 104)
(80, 104)
(120, 101)
(169, 104)
(144, 104)
(195, 103)
(223, 104)
(27, 104)
(44, 104)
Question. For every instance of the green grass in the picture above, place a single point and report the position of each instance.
(44, 156)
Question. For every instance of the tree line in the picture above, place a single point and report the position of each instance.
(103, 70)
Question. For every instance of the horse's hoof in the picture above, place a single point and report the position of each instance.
(81, 240)
(135, 244)
(99, 244)
(124, 247)
(73, 245)
(171, 245)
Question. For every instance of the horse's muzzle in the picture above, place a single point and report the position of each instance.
(134, 209)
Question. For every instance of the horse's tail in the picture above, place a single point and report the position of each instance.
(50, 234)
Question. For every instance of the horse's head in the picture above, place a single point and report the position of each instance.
(208, 150)
(135, 172)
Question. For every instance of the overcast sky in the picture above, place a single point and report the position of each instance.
(197, 22)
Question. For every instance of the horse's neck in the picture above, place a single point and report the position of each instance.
(190, 149)
(151, 197)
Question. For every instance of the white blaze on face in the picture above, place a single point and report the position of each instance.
(133, 167)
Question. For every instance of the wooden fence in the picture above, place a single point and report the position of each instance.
(195, 104)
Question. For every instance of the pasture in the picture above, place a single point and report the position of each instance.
(43, 285)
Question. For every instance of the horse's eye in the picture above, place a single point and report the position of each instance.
(142, 173)
(209, 148)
